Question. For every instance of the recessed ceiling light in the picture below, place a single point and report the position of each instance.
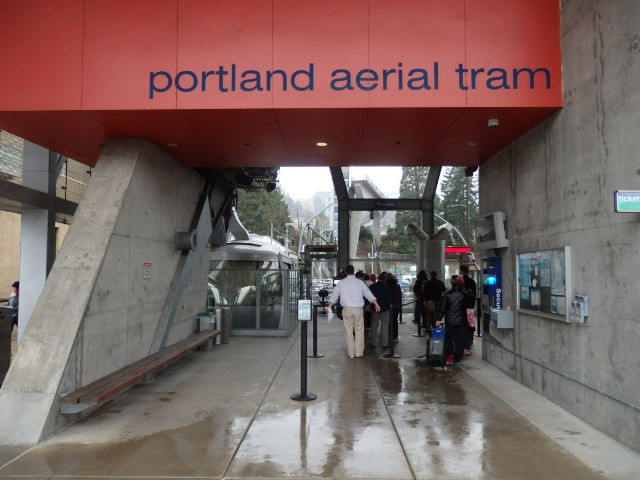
(321, 144)
(172, 145)
(473, 143)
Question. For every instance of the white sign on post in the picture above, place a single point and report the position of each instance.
(304, 310)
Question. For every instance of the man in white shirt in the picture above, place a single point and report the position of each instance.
(352, 292)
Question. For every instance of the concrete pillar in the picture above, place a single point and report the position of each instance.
(37, 249)
(343, 234)
(434, 257)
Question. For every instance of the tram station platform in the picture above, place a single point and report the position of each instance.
(226, 413)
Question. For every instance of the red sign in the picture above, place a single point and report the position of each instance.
(454, 250)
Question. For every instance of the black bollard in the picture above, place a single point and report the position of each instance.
(392, 344)
(303, 396)
(315, 333)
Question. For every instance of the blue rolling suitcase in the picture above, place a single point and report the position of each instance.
(435, 348)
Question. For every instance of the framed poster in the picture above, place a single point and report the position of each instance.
(544, 282)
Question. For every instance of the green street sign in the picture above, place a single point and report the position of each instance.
(627, 201)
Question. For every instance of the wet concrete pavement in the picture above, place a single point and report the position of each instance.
(227, 413)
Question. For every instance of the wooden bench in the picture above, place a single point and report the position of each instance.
(106, 388)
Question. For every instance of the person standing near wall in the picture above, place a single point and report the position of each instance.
(470, 286)
(14, 301)
(352, 293)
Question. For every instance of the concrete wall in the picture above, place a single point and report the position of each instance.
(97, 312)
(556, 187)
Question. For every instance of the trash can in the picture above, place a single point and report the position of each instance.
(222, 317)
(207, 321)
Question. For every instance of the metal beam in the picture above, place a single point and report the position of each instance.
(430, 187)
(343, 234)
(375, 204)
(15, 198)
(431, 184)
(338, 183)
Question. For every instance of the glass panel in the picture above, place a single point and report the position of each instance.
(262, 301)
(271, 311)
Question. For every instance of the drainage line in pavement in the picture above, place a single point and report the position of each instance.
(246, 431)
(393, 424)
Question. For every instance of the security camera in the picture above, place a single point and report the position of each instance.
(371, 215)
(493, 123)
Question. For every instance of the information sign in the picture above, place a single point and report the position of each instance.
(544, 282)
(304, 310)
(627, 201)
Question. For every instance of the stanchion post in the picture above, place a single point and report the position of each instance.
(419, 334)
(315, 334)
(304, 315)
(392, 344)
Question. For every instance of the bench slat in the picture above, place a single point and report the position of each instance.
(118, 381)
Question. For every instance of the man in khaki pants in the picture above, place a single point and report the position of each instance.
(352, 292)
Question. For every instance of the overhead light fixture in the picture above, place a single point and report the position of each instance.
(172, 145)
(321, 144)
(473, 143)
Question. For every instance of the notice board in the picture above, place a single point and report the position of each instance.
(544, 282)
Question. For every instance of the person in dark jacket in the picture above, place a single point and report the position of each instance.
(471, 287)
(417, 291)
(432, 292)
(396, 303)
(383, 294)
(453, 308)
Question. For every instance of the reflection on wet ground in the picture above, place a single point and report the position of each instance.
(226, 413)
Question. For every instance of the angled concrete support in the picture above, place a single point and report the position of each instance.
(100, 307)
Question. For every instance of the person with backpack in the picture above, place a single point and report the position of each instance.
(453, 310)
